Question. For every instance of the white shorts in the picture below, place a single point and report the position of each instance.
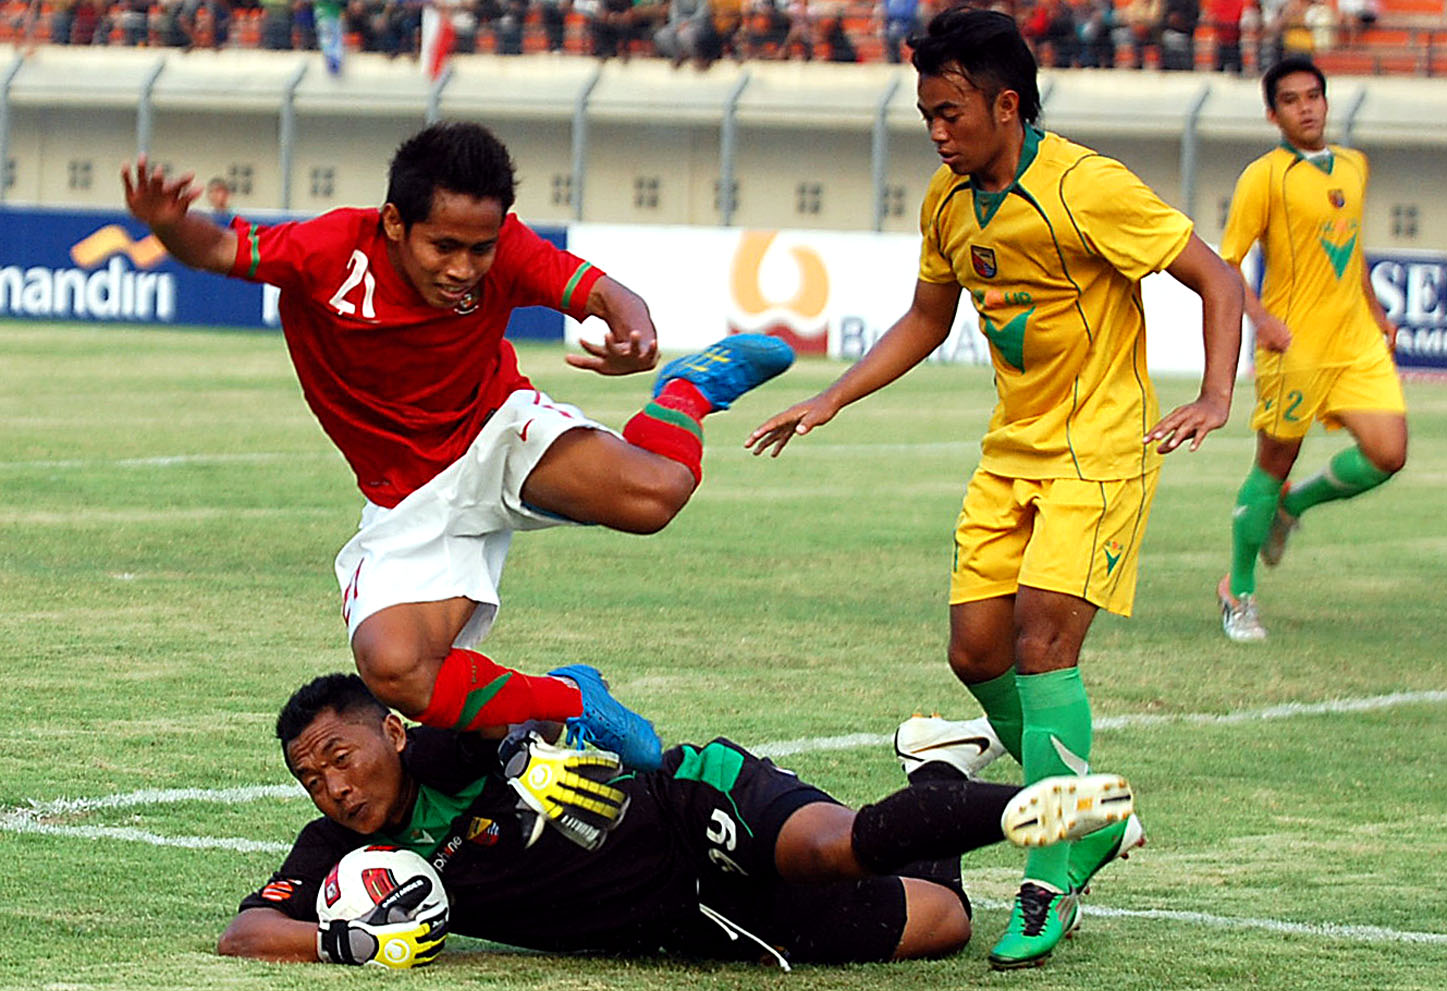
(450, 537)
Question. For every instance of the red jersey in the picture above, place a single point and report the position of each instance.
(401, 387)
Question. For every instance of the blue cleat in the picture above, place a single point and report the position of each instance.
(726, 370)
(608, 724)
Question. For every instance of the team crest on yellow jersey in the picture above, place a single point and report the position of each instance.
(1337, 197)
(983, 259)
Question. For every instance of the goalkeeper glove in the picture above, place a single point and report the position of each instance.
(388, 935)
(566, 789)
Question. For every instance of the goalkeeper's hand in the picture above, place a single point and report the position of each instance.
(389, 935)
(567, 789)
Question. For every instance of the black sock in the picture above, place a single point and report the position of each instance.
(929, 820)
(944, 872)
(935, 770)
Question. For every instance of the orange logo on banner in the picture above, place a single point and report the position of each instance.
(802, 325)
(113, 239)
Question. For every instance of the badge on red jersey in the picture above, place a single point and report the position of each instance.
(467, 303)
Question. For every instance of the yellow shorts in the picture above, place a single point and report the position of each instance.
(1060, 534)
(1287, 401)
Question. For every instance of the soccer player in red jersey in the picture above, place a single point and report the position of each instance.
(394, 320)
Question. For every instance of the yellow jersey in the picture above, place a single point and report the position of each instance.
(1053, 266)
(1308, 218)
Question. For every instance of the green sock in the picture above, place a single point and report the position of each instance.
(1001, 701)
(1057, 715)
(1092, 852)
(1250, 523)
(1347, 474)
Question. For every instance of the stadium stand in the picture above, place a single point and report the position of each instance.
(816, 144)
(1405, 37)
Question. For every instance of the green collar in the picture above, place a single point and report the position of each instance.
(432, 815)
(988, 204)
(1324, 164)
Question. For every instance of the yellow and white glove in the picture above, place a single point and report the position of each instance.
(569, 790)
(386, 936)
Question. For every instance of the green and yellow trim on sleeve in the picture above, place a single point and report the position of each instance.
(248, 253)
(573, 284)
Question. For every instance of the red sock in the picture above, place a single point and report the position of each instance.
(472, 691)
(671, 426)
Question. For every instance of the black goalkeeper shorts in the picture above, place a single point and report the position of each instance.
(730, 806)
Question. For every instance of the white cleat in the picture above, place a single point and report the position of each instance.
(1240, 618)
(968, 746)
(1054, 810)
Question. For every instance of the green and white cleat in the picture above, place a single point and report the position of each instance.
(1070, 913)
(1240, 617)
(1069, 807)
(1039, 921)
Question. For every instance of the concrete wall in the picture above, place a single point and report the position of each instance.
(652, 136)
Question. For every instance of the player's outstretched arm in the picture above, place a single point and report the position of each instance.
(267, 934)
(1219, 285)
(631, 343)
(163, 204)
(923, 328)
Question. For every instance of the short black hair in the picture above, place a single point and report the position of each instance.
(344, 694)
(986, 47)
(1284, 68)
(458, 156)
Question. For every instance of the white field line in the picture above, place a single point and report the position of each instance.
(1329, 930)
(31, 818)
(1289, 710)
(165, 461)
(1416, 478)
(20, 824)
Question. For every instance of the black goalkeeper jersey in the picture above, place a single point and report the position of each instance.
(639, 892)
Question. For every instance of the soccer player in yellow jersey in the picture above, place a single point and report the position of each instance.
(1323, 341)
(1049, 240)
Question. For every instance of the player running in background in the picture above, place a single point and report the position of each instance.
(394, 319)
(1050, 240)
(720, 854)
(1323, 341)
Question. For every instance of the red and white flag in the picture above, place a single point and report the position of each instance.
(438, 37)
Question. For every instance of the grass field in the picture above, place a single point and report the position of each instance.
(168, 515)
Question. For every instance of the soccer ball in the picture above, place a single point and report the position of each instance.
(366, 876)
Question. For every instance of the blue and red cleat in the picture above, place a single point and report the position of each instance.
(726, 370)
(607, 723)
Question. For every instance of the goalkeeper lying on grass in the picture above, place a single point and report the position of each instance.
(718, 855)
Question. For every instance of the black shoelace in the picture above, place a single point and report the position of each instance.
(1035, 907)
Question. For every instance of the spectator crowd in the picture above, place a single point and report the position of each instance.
(1168, 34)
